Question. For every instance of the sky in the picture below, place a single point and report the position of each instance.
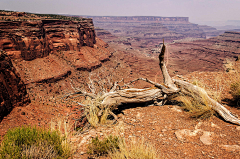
(197, 10)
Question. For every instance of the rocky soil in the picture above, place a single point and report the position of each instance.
(171, 130)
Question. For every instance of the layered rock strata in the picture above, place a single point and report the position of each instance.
(29, 40)
(46, 50)
(147, 30)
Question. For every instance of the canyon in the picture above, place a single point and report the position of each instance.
(44, 58)
(44, 51)
(148, 31)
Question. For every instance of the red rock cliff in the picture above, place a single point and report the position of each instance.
(35, 39)
(12, 89)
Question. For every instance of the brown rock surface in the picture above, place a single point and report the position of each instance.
(12, 89)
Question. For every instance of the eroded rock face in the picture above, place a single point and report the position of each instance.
(36, 39)
(147, 30)
(47, 50)
(12, 89)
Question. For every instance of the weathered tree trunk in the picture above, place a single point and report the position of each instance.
(116, 97)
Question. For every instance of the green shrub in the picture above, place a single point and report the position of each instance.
(28, 142)
(102, 147)
(235, 91)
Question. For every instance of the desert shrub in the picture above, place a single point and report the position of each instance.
(103, 147)
(235, 91)
(28, 142)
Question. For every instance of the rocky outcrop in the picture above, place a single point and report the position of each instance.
(48, 53)
(12, 89)
(29, 40)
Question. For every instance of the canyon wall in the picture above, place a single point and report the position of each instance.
(35, 39)
(139, 18)
(43, 52)
(149, 30)
(12, 89)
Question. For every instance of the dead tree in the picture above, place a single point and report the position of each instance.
(118, 96)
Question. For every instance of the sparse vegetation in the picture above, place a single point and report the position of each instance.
(103, 147)
(28, 142)
(197, 109)
(116, 148)
(92, 110)
(235, 91)
(134, 150)
(235, 82)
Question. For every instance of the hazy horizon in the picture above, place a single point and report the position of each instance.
(198, 11)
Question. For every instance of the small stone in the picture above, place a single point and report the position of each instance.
(215, 126)
(176, 109)
(23, 113)
(139, 115)
(82, 153)
(206, 138)
(180, 134)
(133, 120)
(84, 140)
(238, 127)
(230, 147)
(163, 130)
(93, 133)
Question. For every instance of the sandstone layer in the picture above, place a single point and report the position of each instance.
(29, 40)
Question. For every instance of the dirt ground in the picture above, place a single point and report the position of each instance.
(170, 129)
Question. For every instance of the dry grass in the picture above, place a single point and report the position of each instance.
(66, 129)
(134, 150)
(103, 147)
(234, 82)
(42, 150)
(198, 106)
(93, 109)
(116, 147)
